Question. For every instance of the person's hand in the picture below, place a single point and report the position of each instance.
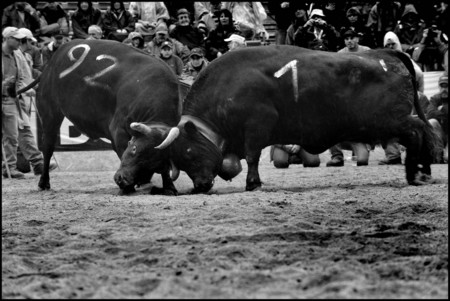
(309, 23)
(321, 23)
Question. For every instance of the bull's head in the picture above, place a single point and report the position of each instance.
(193, 153)
(141, 159)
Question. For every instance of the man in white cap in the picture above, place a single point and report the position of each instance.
(31, 52)
(16, 129)
(235, 42)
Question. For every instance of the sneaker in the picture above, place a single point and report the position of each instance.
(39, 168)
(15, 174)
(395, 161)
(335, 162)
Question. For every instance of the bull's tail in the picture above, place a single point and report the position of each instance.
(31, 85)
(432, 139)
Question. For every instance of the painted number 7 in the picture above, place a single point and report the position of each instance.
(291, 65)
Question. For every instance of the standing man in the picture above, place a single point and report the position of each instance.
(13, 65)
(16, 130)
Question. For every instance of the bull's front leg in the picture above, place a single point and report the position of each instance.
(168, 186)
(253, 180)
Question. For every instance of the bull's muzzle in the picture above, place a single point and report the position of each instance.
(121, 181)
(202, 187)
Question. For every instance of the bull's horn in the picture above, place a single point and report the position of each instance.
(173, 134)
(175, 171)
(142, 128)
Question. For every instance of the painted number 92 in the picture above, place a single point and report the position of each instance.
(89, 79)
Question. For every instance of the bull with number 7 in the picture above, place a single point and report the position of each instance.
(255, 97)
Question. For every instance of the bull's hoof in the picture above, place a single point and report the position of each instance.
(163, 191)
(44, 186)
(127, 190)
(252, 186)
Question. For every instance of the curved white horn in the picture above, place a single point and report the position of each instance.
(175, 171)
(173, 134)
(142, 128)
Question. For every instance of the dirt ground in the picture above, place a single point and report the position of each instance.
(345, 232)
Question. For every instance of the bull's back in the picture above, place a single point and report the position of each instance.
(308, 89)
(93, 81)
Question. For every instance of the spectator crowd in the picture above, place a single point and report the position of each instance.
(188, 35)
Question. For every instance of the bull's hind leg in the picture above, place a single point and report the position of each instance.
(420, 143)
(51, 125)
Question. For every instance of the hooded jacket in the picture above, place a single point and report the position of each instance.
(391, 37)
(410, 35)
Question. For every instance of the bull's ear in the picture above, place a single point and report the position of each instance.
(190, 128)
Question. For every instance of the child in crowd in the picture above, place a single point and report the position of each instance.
(197, 62)
(174, 62)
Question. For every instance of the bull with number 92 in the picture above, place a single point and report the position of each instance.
(255, 97)
(110, 90)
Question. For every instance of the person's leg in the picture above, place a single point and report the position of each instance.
(29, 148)
(362, 153)
(22, 164)
(392, 152)
(309, 160)
(10, 135)
(337, 157)
(443, 152)
(280, 157)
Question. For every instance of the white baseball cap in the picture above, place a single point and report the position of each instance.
(27, 33)
(11, 31)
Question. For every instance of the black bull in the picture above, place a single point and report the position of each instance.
(255, 97)
(103, 87)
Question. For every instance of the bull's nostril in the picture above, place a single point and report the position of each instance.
(118, 178)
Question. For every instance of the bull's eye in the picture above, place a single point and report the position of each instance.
(133, 150)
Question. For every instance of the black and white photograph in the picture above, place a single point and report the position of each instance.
(225, 150)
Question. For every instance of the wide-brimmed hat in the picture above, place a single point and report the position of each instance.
(11, 31)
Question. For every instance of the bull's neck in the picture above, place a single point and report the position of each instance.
(205, 130)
